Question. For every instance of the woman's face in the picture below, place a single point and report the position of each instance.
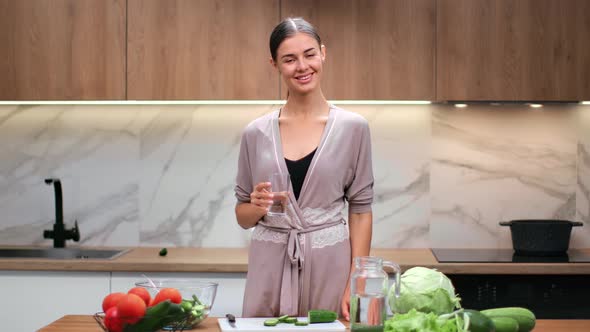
(299, 60)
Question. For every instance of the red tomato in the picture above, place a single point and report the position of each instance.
(141, 292)
(131, 308)
(111, 300)
(171, 294)
(112, 321)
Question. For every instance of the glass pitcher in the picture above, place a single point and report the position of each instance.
(369, 285)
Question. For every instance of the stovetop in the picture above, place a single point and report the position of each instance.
(504, 256)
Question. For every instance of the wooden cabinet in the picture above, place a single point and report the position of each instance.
(218, 49)
(62, 49)
(201, 49)
(376, 49)
(513, 50)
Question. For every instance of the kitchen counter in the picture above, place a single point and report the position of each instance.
(145, 259)
(85, 323)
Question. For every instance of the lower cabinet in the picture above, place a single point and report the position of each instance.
(548, 296)
(230, 291)
(33, 299)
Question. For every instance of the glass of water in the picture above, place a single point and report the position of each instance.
(279, 186)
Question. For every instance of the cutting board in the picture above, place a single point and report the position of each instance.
(257, 325)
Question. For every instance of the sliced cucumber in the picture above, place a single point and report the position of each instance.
(290, 320)
(301, 323)
(271, 322)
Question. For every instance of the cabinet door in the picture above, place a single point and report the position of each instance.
(513, 50)
(62, 49)
(375, 49)
(201, 49)
(33, 299)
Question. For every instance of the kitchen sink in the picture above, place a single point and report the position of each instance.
(60, 253)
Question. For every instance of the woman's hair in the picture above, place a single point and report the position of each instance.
(287, 28)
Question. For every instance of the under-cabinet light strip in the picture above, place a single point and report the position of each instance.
(205, 102)
(587, 102)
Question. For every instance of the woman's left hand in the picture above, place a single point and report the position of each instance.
(345, 306)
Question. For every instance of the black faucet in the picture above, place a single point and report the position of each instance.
(60, 234)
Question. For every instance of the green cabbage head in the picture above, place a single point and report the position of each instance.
(425, 290)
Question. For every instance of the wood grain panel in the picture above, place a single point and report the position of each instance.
(62, 49)
(513, 50)
(236, 260)
(201, 49)
(376, 49)
(87, 323)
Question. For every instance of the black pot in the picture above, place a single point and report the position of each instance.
(534, 237)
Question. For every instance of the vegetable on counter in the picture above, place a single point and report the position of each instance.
(426, 290)
(321, 316)
(414, 321)
(129, 312)
(479, 322)
(524, 318)
(271, 322)
(315, 316)
(426, 303)
(505, 324)
(163, 252)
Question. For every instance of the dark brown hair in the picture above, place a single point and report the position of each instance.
(287, 28)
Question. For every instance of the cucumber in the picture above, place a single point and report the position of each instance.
(290, 320)
(321, 316)
(163, 252)
(282, 318)
(524, 317)
(271, 322)
(505, 324)
(158, 316)
(301, 323)
(479, 322)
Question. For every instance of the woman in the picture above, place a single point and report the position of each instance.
(302, 260)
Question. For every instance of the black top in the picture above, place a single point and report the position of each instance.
(298, 170)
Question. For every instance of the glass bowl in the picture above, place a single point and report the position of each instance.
(197, 299)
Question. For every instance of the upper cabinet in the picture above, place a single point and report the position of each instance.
(62, 49)
(218, 49)
(375, 49)
(201, 49)
(513, 50)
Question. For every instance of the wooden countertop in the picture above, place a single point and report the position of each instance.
(86, 323)
(145, 259)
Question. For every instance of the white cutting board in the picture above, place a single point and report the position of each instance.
(257, 325)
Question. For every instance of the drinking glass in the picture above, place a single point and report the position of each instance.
(279, 186)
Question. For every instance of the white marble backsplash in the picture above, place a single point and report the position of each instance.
(581, 235)
(137, 175)
(494, 163)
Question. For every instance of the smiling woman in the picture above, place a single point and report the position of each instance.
(299, 58)
(302, 260)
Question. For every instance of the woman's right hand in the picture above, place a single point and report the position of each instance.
(261, 197)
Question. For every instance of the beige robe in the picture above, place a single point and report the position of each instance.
(301, 261)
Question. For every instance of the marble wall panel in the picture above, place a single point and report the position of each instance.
(493, 163)
(189, 160)
(163, 175)
(581, 235)
(400, 137)
(93, 150)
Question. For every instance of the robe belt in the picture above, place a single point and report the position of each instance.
(289, 304)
